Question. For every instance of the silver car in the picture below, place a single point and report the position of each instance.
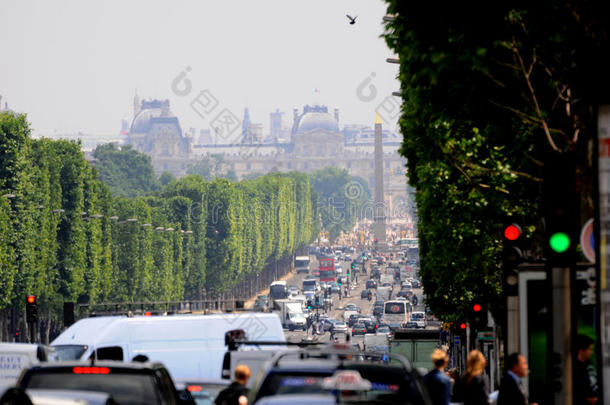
(340, 327)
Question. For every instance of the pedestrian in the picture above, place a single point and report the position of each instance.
(332, 332)
(454, 375)
(585, 392)
(473, 386)
(438, 384)
(236, 393)
(512, 391)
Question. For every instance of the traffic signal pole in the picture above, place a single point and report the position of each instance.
(561, 216)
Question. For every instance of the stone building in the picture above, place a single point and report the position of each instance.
(314, 141)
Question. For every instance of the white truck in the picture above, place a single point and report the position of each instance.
(190, 346)
(301, 264)
(291, 314)
(374, 342)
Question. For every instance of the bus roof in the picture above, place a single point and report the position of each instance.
(280, 282)
(301, 258)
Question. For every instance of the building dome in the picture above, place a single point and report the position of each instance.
(141, 122)
(317, 120)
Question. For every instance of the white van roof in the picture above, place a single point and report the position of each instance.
(91, 331)
(301, 258)
(281, 282)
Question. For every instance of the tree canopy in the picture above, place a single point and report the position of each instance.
(127, 172)
(488, 90)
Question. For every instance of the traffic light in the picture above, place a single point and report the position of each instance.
(31, 309)
(317, 301)
(479, 316)
(511, 257)
(560, 209)
(309, 304)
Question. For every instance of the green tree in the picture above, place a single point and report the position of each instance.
(127, 172)
(483, 100)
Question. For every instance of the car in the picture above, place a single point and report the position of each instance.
(384, 330)
(137, 383)
(315, 273)
(352, 307)
(359, 328)
(339, 370)
(378, 311)
(410, 325)
(340, 327)
(203, 391)
(371, 326)
(347, 258)
(352, 319)
(371, 284)
(348, 314)
(334, 287)
(364, 294)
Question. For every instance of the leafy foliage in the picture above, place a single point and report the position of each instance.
(484, 99)
(65, 237)
(342, 199)
(128, 172)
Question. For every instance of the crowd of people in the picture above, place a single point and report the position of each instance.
(472, 387)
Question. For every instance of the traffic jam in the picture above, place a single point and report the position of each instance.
(344, 326)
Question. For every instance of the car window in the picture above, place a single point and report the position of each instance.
(126, 389)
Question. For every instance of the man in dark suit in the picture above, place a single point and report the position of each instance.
(512, 391)
(437, 382)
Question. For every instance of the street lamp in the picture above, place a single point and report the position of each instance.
(9, 195)
(131, 220)
(159, 228)
(59, 211)
(146, 225)
(114, 218)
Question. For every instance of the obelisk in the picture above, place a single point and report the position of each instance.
(379, 207)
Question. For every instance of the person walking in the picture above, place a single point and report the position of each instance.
(584, 392)
(473, 386)
(438, 384)
(236, 393)
(512, 391)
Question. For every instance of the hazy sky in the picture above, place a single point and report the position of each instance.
(74, 65)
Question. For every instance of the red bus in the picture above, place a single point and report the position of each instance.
(327, 269)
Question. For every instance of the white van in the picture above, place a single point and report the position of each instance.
(15, 357)
(190, 346)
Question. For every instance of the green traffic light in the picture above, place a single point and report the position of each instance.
(559, 242)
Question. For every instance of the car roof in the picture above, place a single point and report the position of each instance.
(298, 399)
(136, 365)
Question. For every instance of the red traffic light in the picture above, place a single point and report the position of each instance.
(512, 232)
(31, 299)
(477, 308)
(462, 325)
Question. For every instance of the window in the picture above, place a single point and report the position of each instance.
(372, 164)
(320, 150)
(290, 165)
(349, 165)
(387, 164)
(248, 166)
(110, 353)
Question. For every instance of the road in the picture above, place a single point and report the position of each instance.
(338, 305)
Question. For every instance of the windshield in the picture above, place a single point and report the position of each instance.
(69, 352)
(137, 389)
(417, 316)
(395, 308)
(301, 263)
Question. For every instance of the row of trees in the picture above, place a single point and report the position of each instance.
(489, 89)
(65, 237)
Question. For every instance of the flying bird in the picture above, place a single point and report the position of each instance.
(352, 20)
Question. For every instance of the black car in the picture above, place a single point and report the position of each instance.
(352, 320)
(322, 372)
(359, 328)
(378, 311)
(371, 326)
(371, 284)
(128, 383)
(364, 294)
